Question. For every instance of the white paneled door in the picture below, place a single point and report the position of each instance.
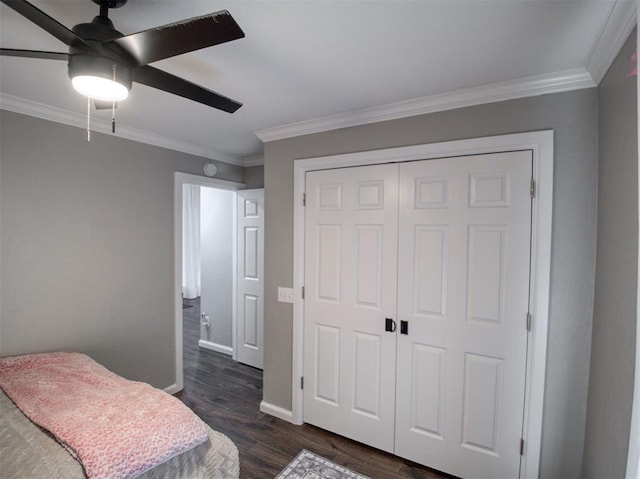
(250, 321)
(463, 289)
(450, 267)
(350, 288)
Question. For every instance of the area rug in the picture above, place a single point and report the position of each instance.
(308, 465)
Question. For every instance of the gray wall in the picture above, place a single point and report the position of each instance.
(217, 209)
(86, 245)
(254, 177)
(614, 328)
(573, 117)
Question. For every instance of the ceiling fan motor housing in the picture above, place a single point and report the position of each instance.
(87, 64)
(110, 64)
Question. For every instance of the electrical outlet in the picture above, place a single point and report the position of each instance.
(285, 295)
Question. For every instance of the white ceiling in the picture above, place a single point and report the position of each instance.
(304, 60)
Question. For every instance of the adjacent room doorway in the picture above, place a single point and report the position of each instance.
(219, 237)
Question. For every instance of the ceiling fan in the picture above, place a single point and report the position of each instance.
(103, 63)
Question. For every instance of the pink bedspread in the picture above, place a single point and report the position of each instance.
(115, 427)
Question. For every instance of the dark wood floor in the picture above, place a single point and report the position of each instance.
(226, 395)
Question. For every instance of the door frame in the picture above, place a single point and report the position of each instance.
(179, 180)
(540, 143)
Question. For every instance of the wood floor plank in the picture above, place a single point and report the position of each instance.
(227, 395)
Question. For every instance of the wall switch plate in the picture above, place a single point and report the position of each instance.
(285, 295)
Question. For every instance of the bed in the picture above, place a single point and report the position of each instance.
(30, 451)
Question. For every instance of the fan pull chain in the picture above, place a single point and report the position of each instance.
(113, 106)
(88, 119)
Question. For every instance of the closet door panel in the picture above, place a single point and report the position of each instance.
(350, 282)
(442, 245)
(463, 283)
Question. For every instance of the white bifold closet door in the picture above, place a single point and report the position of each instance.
(350, 288)
(442, 248)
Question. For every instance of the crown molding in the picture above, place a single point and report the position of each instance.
(66, 117)
(254, 161)
(557, 82)
(619, 25)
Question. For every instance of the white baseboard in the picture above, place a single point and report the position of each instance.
(216, 347)
(277, 411)
(172, 389)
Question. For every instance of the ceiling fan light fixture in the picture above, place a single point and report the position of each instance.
(99, 78)
(99, 88)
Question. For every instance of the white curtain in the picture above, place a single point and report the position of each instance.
(190, 241)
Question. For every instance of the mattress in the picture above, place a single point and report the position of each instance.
(29, 452)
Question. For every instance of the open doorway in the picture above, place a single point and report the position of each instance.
(208, 264)
(216, 241)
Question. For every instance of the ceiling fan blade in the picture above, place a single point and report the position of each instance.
(162, 80)
(10, 52)
(44, 21)
(181, 37)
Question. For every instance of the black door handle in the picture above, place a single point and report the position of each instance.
(404, 327)
(389, 325)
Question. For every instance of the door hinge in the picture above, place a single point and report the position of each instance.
(522, 447)
(302, 382)
(529, 320)
(532, 188)
(304, 199)
(303, 292)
